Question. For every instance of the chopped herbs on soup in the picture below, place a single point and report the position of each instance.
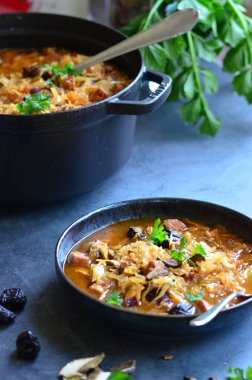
(44, 80)
(167, 266)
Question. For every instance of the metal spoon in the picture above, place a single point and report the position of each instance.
(172, 26)
(209, 315)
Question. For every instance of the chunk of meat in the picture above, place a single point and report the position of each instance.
(79, 258)
(68, 83)
(153, 265)
(174, 225)
(203, 305)
(127, 261)
(96, 95)
(98, 289)
(83, 272)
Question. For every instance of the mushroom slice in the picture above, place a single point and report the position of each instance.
(79, 367)
(156, 273)
(128, 367)
(98, 374)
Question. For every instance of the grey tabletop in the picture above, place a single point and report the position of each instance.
(169, 160)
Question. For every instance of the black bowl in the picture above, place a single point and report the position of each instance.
(151, 324)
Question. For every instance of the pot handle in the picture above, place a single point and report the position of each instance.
(149, 104)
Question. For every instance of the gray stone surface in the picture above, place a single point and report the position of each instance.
(169, 159)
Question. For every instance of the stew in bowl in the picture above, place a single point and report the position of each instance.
(162, 266)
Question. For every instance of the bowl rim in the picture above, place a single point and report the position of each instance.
(124, 203)
(125, 91)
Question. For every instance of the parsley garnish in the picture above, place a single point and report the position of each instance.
(199, 250)
(34, 103)
(239, 374)
(180, 253)
(158, 235)
(195, 297)
(221, 23)
(115, 298)
(60, 71)
(118, 375)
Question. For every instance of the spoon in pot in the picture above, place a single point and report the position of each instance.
(172, 26)
(210, 314)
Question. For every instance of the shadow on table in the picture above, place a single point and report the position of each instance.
(65, 327)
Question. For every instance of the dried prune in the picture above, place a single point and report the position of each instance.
(183, 308)
(28, 345)
(166, 243)
(31, 71)
(132, 231)
(6, 316)
(13, 299)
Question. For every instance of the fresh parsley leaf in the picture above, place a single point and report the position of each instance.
(118, 375)
(158, 235)
(115, 298)
(180, 254)
(195, 297)
(239, 374)
(221, 23)
(34, 103)
(249, 373)
(199, 250)
(176, 254)
(183, 243)
(155, 56)
(59, 71)
(210, 125)
(243, 84)
(192, 110)
(235, 373)
(210, 80)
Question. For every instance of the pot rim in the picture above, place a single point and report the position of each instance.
(124, 203)
(75, 111)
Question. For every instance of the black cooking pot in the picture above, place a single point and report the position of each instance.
(144, 208)
(54, 156)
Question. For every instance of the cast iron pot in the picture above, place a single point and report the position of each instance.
(54, 156)
(157, 207)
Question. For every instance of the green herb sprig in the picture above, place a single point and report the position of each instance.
(199, 250)
(115, 298)
(239, 374)
(118, 375)
(158, 235)
(195, 297)
(181, 254)
(221, 24)
(34, 103)
(59, 71)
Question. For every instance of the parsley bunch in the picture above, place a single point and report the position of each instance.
(115, 298)
(181, 254)
(239, 374)
(119, 376)
(158, 234)
(221, 24)
(60, 71)
(34, 103)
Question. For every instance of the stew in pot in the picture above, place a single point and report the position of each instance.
(44, 80)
